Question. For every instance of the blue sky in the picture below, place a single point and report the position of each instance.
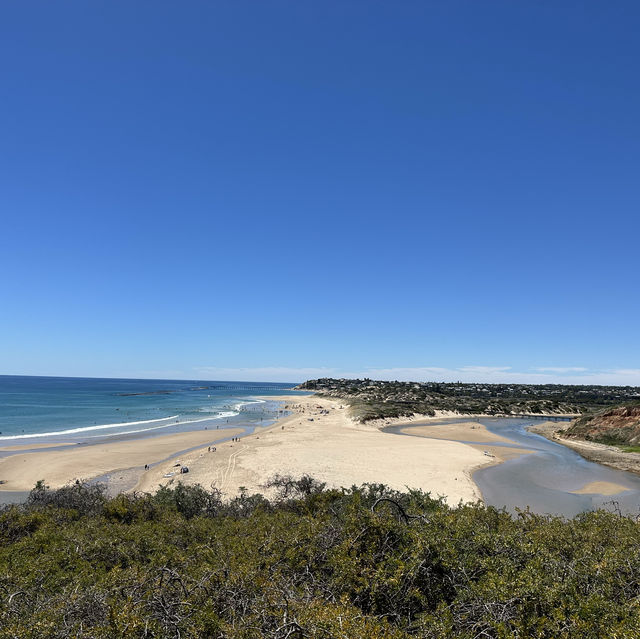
(280, 190)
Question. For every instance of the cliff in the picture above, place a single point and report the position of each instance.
(613, 425)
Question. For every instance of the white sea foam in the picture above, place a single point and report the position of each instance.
(84, 429)
(131, 432)
(220, 415)
(171, 421)
(146, 430)
(239, 405)
(187, 422)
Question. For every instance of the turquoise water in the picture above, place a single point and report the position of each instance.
(82, 409)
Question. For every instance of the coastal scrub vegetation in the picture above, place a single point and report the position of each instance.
(372, 399)
(359, 563)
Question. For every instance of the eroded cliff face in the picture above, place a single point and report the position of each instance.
(620, 424)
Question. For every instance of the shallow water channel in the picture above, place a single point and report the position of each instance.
(545, 479)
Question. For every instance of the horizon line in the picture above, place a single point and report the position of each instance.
(351, 378)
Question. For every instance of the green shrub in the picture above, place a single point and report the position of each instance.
(364, 562)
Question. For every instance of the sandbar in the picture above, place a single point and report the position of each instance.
(58, 468)
(601, 488)
(474, 434)
(33, 446)
(457, 431)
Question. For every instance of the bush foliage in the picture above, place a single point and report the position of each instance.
(373, 399)
(365, 562)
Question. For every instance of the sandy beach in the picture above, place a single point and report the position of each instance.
(318, 438)
(32, 446)
(59, 467)
(321, 440)
(473, 434)
(463, 431)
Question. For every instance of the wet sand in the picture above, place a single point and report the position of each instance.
(57, 468)
(472, 433)
(33, 446)
(461, 431)
(600, 488)
(498, 454)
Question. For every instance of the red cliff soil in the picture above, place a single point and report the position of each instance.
(619, 425)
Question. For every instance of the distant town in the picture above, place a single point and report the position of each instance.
(373, 399)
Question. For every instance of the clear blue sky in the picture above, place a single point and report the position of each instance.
(276, 190)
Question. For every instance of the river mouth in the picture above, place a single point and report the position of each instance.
(540, 475)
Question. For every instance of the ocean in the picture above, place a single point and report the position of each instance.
(79, 410)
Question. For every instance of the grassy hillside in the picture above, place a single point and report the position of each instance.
(372, 399)
(362, 563)
(618, 425)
